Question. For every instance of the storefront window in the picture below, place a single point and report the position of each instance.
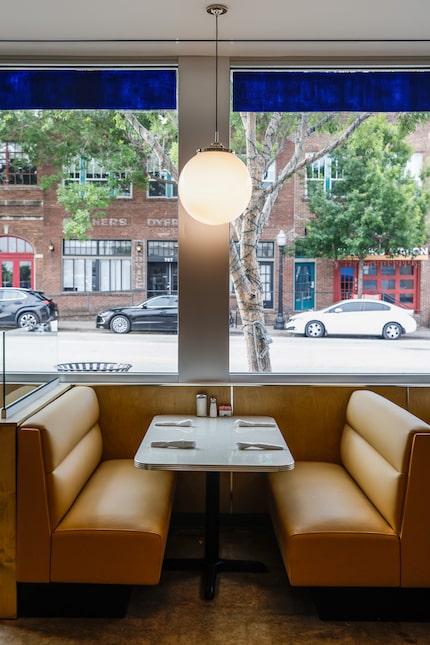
(97, 273)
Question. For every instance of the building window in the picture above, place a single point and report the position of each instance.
(270, 174)
(90, 170)
(15, 166)
(324, 173)
(160, 182)
(162, 185)
(97, 265)
(265, 255)
(414, 167)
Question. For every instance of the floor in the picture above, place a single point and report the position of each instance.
(248, 608)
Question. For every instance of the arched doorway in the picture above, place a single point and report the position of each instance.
(17, 262)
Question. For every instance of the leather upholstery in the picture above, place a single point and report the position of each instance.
(328, 532)
(354, 524)
(116, 530)
(80, 519)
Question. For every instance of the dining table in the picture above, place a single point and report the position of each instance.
(214, 445)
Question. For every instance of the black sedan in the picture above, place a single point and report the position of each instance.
(156, 314)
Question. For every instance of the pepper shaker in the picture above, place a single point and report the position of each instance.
(212, 407)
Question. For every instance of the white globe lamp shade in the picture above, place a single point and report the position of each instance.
(215, 186)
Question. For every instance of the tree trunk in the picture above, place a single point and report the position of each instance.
(249, 295)
(257, 339)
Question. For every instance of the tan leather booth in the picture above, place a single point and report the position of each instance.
(81, 518)
(76, 508)
(363, 521)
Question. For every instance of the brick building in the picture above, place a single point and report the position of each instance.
(132, 254)
(317, 283)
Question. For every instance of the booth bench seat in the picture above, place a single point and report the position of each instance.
(363, 522)
(82, 519)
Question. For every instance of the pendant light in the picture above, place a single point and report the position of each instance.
(215, 186)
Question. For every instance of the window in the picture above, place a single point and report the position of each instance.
(202, 255)
(415, 166)
(160, 182)
(270, 174)
(324, 173)
(348, 307)
(265, 255)
(90, 170)
(162, 187)
(97, 265)
(15, 166)
(11, 244)
(375, 306)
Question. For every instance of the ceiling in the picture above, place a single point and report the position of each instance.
(128, 29)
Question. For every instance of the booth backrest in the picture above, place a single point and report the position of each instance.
(376, 448)
(59, 448)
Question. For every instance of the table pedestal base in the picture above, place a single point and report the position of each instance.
(212, 564)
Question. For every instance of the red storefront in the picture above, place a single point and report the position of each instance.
(395, 280)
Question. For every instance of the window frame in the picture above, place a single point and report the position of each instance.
(93, 261)
(78, 173)
(9, 152)
(203, 344)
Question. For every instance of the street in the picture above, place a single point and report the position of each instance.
(41, 352)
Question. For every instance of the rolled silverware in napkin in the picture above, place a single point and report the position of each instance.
(183, 422)
(255, 424)
(243, 445)
(179, 443)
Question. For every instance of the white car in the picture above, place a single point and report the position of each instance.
(358, 317)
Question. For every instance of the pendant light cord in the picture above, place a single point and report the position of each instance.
(216, 77)
(216, 10)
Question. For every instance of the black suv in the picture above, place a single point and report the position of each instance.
(25, 308)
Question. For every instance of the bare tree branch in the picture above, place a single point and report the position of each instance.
(152, 141)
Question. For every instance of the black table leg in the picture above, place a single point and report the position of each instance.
(212, 559)
(212, 564)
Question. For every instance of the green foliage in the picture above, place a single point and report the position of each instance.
(57, 138)
(83, 203)
(376, 206)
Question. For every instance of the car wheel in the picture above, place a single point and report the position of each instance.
(27, 320)
(314, 329)
(120, 325)
(392, 331)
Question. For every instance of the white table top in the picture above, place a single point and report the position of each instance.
(215, 445)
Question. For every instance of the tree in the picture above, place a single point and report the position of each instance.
(376, 207)
(266, 136)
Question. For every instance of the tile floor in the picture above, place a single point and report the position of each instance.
(248, 608)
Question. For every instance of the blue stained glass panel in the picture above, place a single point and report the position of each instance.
(146, 89)
(331, 91)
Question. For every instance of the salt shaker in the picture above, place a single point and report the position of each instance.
(212, 407)
(201, 405)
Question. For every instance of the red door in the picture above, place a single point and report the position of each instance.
(17, 262)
